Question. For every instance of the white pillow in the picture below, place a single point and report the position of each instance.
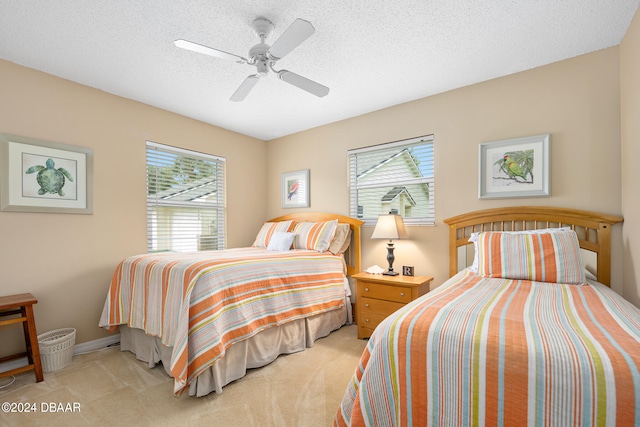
(280, 241)
(474, 238)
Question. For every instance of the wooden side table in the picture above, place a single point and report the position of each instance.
(21, 305)
(377, 296)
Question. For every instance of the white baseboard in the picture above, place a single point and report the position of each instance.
(99, 344)
(85, 347)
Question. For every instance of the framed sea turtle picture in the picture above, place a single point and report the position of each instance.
(516, 167)
(44, 176)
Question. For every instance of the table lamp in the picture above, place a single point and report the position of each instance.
(390, 227)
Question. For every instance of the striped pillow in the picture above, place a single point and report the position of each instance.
(474, 238)
(544, 257)
(267, 230)
(314, 235)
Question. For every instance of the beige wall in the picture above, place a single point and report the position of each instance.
(630, 107)
(67, 261)
(577, 101)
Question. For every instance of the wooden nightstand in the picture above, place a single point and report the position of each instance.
(377, 296)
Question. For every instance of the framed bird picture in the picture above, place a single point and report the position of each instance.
(516, 167)
(295, 189)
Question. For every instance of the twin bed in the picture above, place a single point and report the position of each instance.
(526, 334)
(209, 316)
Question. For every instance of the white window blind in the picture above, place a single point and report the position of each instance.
(185, 200)
(395, 177)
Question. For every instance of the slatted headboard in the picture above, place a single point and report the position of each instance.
(593, 230)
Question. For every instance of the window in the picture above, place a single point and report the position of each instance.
(185, 200)
(396, 177)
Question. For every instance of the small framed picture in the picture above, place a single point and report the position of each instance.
(407, 270)
(516, 167)
(295, 189)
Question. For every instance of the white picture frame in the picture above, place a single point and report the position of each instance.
(24, 186)
(517, 167)
(295, 189)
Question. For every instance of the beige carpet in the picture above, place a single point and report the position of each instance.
(112, 388)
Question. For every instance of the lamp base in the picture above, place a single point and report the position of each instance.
(390, 259)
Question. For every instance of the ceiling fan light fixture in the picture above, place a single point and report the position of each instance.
(263, 67)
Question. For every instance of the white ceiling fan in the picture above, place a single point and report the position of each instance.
(264, 56)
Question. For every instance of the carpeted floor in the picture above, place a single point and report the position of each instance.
(112, 388)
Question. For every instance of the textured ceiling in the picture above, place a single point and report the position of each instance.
(371, 53)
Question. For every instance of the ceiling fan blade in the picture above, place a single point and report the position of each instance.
(195, 47)
(298, 31)
(241, 93)
(303, 83)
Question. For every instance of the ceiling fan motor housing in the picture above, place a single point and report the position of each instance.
(258, 56)
(258, 53)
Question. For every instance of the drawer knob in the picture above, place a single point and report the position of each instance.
(366, 289)
(401, 294)
(366, 321)
(367, 305)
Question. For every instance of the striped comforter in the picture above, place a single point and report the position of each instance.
(480, 351)
(201, 303)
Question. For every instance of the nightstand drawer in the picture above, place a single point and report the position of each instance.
(386, 292)
(371, 320)
(378, 306)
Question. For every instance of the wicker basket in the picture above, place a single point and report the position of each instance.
(56, 348)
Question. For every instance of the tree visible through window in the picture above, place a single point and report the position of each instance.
(185, 200)
(396, 177)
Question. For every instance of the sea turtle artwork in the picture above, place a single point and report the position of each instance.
(50, 179)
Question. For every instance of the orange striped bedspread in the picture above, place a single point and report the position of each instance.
(488, 351)
(201, 303)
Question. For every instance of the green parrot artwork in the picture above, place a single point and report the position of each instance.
(516, 166)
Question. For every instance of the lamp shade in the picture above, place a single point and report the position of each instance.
(389, 227)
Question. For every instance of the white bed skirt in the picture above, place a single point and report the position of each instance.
(257, 351)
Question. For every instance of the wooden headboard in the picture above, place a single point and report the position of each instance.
(352, 256)
(593, 230)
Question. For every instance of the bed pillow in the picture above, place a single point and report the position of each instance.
(474, 238)
(314, 235)
(280, 241)
(267, 230)
(543, 257)
(341, 240)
